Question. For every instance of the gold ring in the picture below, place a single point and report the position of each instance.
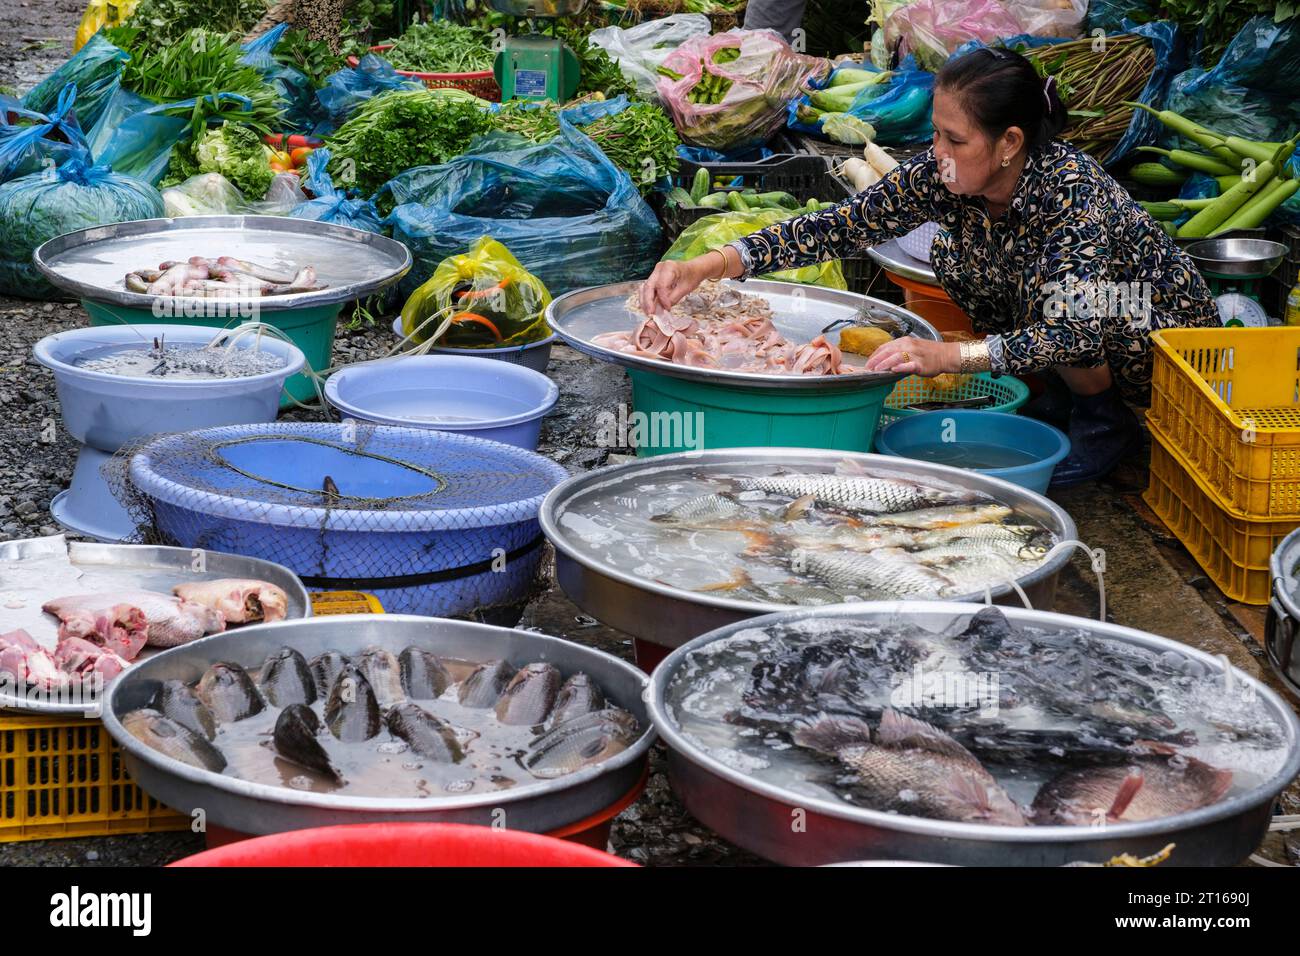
(906, 357)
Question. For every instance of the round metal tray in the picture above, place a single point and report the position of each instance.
(670, 616)
(801, 312)
(1236, 257)
(93, 263)
(36, 570)
(756, 815)
(891, 257)
(257, 808)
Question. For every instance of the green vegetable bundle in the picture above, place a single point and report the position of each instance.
(165, 21)
(234, 151)
(402, 129)
(312, 58)
(441, 46)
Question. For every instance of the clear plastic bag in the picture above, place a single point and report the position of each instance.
(1049, 18)
(487, 298)
(570, 216)
(211, 194)
(43, 205)
(933, 29)
(31, 142)
(765, 77)
(347, 89)
(713, 232)
(331, 204)
(640, 50)
(96, 70)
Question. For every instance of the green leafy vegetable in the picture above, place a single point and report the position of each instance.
(312, 58)
(441, 46)
(166, 20)
(239, 154)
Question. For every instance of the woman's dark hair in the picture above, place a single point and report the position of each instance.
(1000, 89)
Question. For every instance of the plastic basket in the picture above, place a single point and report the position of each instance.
(63, 776)
(1233, 551)
(790, 168)
(344, 602)
(1228, 402)
(482, 83)
(1008, 394)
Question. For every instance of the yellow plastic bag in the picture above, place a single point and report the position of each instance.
(491, 299)
(102, 13)
(715, 231)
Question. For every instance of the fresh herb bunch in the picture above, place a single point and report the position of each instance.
(599, 73)
(641, 139)
(166, 20)
(1223, 19)
(402, 129)
(441, 46)
(313, 58)
(198, 64)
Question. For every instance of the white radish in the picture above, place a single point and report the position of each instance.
(878, 159)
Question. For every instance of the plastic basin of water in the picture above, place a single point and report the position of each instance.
(473, 396)
(105, 410)
(1016, 449)
(533, 355)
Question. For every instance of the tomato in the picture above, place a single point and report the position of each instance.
(300, 155)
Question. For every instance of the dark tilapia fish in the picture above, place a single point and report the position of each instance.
(229, 693)
(286, 678)
(351, 711)
(174, 740)
(586, 739)
(297, 740)
(908, 766)
(326, 668)
(427, 735)
(177, 701)
(529, 696)
(1144, 789)
(384, 673)
(483, 687)
(578, 695)
(423, 676)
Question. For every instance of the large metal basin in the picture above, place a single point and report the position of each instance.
(758, 816)
(670, 616)
(256, 808)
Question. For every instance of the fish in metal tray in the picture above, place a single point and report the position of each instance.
(578, 695)
(351, 711)
(286, 678)
(1146, 788)
(587, 739)
(168, 621)
(427, 735)
(174, 740)
(852, 492)
(326, 667)
(384, 673)
(229, 693)
(483, 687)
(296, 738)
(908, 766)
(529, 696)
(702, 509)
(238, 600)
(423, 675)
(177, 701)
(886, 569)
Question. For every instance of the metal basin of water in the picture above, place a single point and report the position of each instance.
(256, 808)
(756, 815)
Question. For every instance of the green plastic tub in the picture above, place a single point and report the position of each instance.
(311, 329)
(1007, 391)
(672, 415)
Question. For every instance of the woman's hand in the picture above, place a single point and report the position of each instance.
(673, 280)
(922, 357)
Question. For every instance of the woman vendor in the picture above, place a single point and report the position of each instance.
(1047, 254)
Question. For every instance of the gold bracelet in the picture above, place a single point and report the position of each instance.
(974, 357)
(722, 251)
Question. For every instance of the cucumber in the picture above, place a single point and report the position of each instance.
(700, 185)
(714, 201)
(1156, 174)
(736, 202)
(680, 197)
(778, 198)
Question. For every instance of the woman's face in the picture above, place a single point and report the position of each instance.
(969, 162)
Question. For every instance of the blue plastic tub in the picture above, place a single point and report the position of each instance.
(471, 396)
(429, 522)
(534, 355)
(966, 438)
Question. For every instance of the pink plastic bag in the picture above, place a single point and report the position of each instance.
(765, 78)
(932, 29)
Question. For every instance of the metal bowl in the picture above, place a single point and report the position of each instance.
(1284, 613)
(257, 808)
(1237, 257)
(757, 815)
(539, 8)
(670, 616)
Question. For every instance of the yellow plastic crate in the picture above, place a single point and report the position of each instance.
(1228, 401)
(64, 777)
(1232, 550)
(345, 602)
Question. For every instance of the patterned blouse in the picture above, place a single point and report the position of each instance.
(1074, 273)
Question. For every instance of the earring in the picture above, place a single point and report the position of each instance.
(1005, 161)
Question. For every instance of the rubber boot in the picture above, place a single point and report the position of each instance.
(1103, 431)
(1053, 405)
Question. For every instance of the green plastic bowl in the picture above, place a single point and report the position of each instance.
(1008, 393)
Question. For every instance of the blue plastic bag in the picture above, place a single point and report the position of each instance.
(135, 136)
(347, 89)
(1108, 16)
(899, 110)
(44, 141)
(570, 216)
(43, 205)
(1253, 90)
(96, 70)
(331, 203)
(301, 108)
